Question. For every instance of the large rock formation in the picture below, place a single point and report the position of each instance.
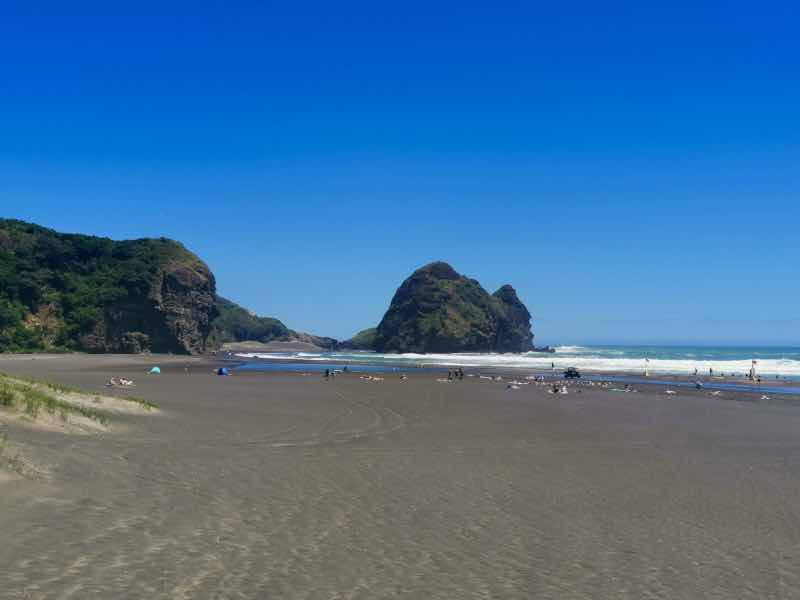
(439, 310)
(173, 316)
(95, 294)
(514, 322)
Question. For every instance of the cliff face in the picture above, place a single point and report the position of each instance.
(95, 294)
(173, 316)
(439, 310)
(514, 322)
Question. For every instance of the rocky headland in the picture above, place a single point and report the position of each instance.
(439, 310)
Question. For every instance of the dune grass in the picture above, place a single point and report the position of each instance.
(33, 397)
(16, 391)
(13, 463)
(56, 387)
(28, 396)
(141, 401)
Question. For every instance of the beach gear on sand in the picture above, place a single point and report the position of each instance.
(155, 371)
(223, 371)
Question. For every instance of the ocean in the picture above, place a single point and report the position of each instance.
(675, 360)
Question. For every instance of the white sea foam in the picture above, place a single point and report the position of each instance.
(570, 349)
(538, 362)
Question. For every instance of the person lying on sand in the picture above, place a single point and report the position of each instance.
(120, 381)
(370, 378)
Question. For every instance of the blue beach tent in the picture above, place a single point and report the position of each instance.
(155, 371)
(223, 371)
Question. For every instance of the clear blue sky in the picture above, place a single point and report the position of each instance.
(634, 171)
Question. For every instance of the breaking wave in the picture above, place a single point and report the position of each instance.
(666, 360)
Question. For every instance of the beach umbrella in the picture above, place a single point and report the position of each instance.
(155, 371)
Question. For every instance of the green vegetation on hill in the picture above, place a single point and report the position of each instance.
(78, 292)
(363, 340)
(237, 324)
(70, 291)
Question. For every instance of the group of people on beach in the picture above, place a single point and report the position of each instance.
(752, 375)
(457, 374)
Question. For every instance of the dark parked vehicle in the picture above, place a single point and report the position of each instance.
(572, 373)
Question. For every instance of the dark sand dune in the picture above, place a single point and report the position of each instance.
(283, 486)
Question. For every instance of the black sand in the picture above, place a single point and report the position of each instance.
(284, 486)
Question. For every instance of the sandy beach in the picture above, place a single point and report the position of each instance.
(278, 485)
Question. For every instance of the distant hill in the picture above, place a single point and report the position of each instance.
(236, 324)
(71, 291)
(363, 340)
(439, 310)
